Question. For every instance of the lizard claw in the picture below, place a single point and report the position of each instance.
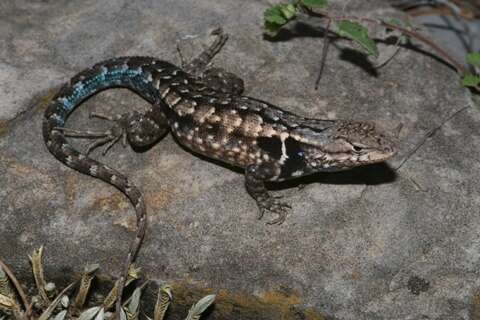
(103, 116)
(108, 138)
(272, 204)
(108, 141)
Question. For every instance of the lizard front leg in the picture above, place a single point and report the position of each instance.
(223, 81)
(255, 177)
(218, 79)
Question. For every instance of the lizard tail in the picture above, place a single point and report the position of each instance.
(119, 72)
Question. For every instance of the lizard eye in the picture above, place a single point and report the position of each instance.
(357, 148)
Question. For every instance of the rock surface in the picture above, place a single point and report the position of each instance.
(371, 243)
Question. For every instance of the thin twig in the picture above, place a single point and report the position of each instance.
(457, 65)
(326, 43)
(397, 50)
(441, 52)
(429, 134)
(48, 312)
(18, 287)
(413, 4)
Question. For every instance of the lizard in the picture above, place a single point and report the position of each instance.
(206, 111)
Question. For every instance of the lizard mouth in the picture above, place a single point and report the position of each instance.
(345, 160)
(387, 151)
(377, 156)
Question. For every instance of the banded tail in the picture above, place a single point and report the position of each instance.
(129, 72)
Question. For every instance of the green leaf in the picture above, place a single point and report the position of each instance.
(470, 80)
(359, 34)
(473, 58)
(274, 14)
(288, 11)
(315, 3)
(278, 15)
(272, 29)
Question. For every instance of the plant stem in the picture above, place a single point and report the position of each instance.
(18, 287)
(326, 43)
(440, 51)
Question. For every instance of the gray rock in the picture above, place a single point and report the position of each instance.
(370, 243)
(459, 37)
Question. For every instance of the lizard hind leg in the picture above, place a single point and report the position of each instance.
(144, 130)
(140, 130)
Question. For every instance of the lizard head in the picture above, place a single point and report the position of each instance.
(323, 145)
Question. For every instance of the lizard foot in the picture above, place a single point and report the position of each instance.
(274, 205)
(108, 137)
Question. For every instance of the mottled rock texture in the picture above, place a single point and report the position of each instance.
(371, 243)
